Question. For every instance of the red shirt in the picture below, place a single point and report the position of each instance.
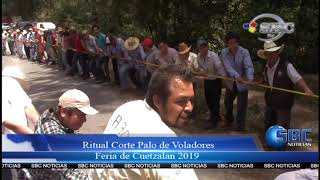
(79, 47)
(66, 41)
(40, 39)
(54, 39)
(38, 36)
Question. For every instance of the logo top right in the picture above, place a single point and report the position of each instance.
(272, 30)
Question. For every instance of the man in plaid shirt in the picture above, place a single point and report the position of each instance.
(66, 118)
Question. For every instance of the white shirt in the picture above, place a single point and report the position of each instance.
(137, 118)
(211, 64)
(291, 72)
(4, 36)
(169, 58)
(191, 61)
(14, 102)
(107, 40)
(303, 174)
(132, 118)
(20, 39)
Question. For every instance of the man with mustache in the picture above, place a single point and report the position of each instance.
(66, 118)
(167, 105)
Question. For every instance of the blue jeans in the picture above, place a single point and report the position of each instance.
(77, 57)
(65, 60)
(99, 66)
(124, 74)
(84, 63)
(242, 104)
(91, 64)
(115, 68)
(140, 76)
(33, 51)
(136, 73)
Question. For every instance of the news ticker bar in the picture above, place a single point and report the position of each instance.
(162, 165)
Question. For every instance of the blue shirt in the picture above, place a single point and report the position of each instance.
(118, 47)
(134, 55)
(237, 66)
(101, 41)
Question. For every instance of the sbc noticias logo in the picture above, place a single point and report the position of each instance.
(278, 137)
(273, 30)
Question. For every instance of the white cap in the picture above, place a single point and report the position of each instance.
(77, 99)
(15, 72)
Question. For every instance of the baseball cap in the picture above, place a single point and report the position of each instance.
(147, 42)
(201, 41)
(77, 99)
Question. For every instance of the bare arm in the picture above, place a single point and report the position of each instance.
(296, 78)
(301, 84)
(32, 114)
(16, 127)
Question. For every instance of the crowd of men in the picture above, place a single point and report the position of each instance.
(166, 74)
(167, 107)
(87, 53)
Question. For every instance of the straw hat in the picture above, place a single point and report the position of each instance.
(15, 72)
(183, 48)
(269, 46)
(131, 43)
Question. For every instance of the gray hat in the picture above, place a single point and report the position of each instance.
(201, 41)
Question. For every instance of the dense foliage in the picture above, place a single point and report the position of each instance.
(185, 20)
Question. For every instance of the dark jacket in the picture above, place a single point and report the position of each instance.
(275, 98)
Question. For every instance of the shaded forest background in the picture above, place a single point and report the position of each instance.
(185, 20)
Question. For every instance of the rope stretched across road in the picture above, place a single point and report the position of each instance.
(202, 76)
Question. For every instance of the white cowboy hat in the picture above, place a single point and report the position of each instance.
(24, 32)
(15, 72)
(131, 43)
(269, 46)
